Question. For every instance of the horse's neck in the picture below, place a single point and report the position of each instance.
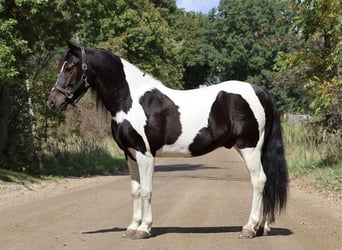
(138, 81)
(117, 95)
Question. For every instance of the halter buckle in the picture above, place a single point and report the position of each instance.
(84, 66)
(69, 94)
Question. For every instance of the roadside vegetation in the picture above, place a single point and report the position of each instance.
(21, 178)
(76, 157)
(314, 159)
(83, 156)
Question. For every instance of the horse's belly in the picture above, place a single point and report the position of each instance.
(173, 151)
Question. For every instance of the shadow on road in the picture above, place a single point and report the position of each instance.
(178, 167)
(198, 171)
(193, 230)
(156, 231)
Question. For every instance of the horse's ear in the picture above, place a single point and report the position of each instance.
(73, 47)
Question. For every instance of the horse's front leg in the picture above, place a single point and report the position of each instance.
(136, 195)
(146, 168)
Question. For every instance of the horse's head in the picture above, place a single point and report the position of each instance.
(72, 82)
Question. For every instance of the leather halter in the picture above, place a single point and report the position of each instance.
(69, 94)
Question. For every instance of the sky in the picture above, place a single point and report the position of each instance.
(198, 5)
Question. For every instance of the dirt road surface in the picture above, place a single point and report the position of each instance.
(198, 203)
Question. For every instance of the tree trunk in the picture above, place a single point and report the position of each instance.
(4, 116)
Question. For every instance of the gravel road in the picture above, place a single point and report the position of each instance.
(198, 203)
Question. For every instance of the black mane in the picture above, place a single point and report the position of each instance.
(109, 82)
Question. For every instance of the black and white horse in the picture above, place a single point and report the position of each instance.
(150, 120)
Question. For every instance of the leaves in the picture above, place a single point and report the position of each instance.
(10, 46)
(318, 58)
(139, 31)
(25, 46)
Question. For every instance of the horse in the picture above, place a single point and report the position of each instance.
(151, 120)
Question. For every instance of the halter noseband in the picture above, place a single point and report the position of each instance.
(69, 94)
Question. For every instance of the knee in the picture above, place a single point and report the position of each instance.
(136, 194)
(135, 188)
(259, 181)
(262, 178)
(146, 194)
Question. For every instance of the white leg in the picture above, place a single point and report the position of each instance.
(146, 168)
(267, 228)
(136, 194)
(258, 179)
(264, 228)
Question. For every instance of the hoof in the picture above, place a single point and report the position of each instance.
(130, 233)
(141, 235)
(266, 231)
(247, 234)
(263, 231)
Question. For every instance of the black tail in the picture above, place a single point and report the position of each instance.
(274, 165)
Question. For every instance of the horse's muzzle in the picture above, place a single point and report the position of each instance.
(51, 103)
(57, 106)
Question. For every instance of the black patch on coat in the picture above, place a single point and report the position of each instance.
(230, 122)
(127, 137)
(163, 125)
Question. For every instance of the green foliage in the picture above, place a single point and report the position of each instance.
(21, 178)
(10, 47)
(81, 156)
(139, 31)
(25, 51)
(314, 157)
(197, 54)
(317, 59)
(247, 36)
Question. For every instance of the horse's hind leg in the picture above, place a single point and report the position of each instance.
(252, 157)
(264, 228)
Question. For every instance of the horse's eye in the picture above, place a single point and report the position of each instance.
(68, 69)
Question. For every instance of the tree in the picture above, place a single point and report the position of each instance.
(8, 72)
(248, 35)
(197, 55)
(139, 31)
(25, 49)
(318, 57)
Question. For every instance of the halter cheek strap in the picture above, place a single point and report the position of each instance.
(69, 94)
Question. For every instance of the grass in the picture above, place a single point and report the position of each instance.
(313, 157)
(83, 156)
(75, 157)
(21, 178)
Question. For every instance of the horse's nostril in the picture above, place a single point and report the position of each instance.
(51, 103)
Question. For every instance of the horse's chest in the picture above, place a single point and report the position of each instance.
(154, 117)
